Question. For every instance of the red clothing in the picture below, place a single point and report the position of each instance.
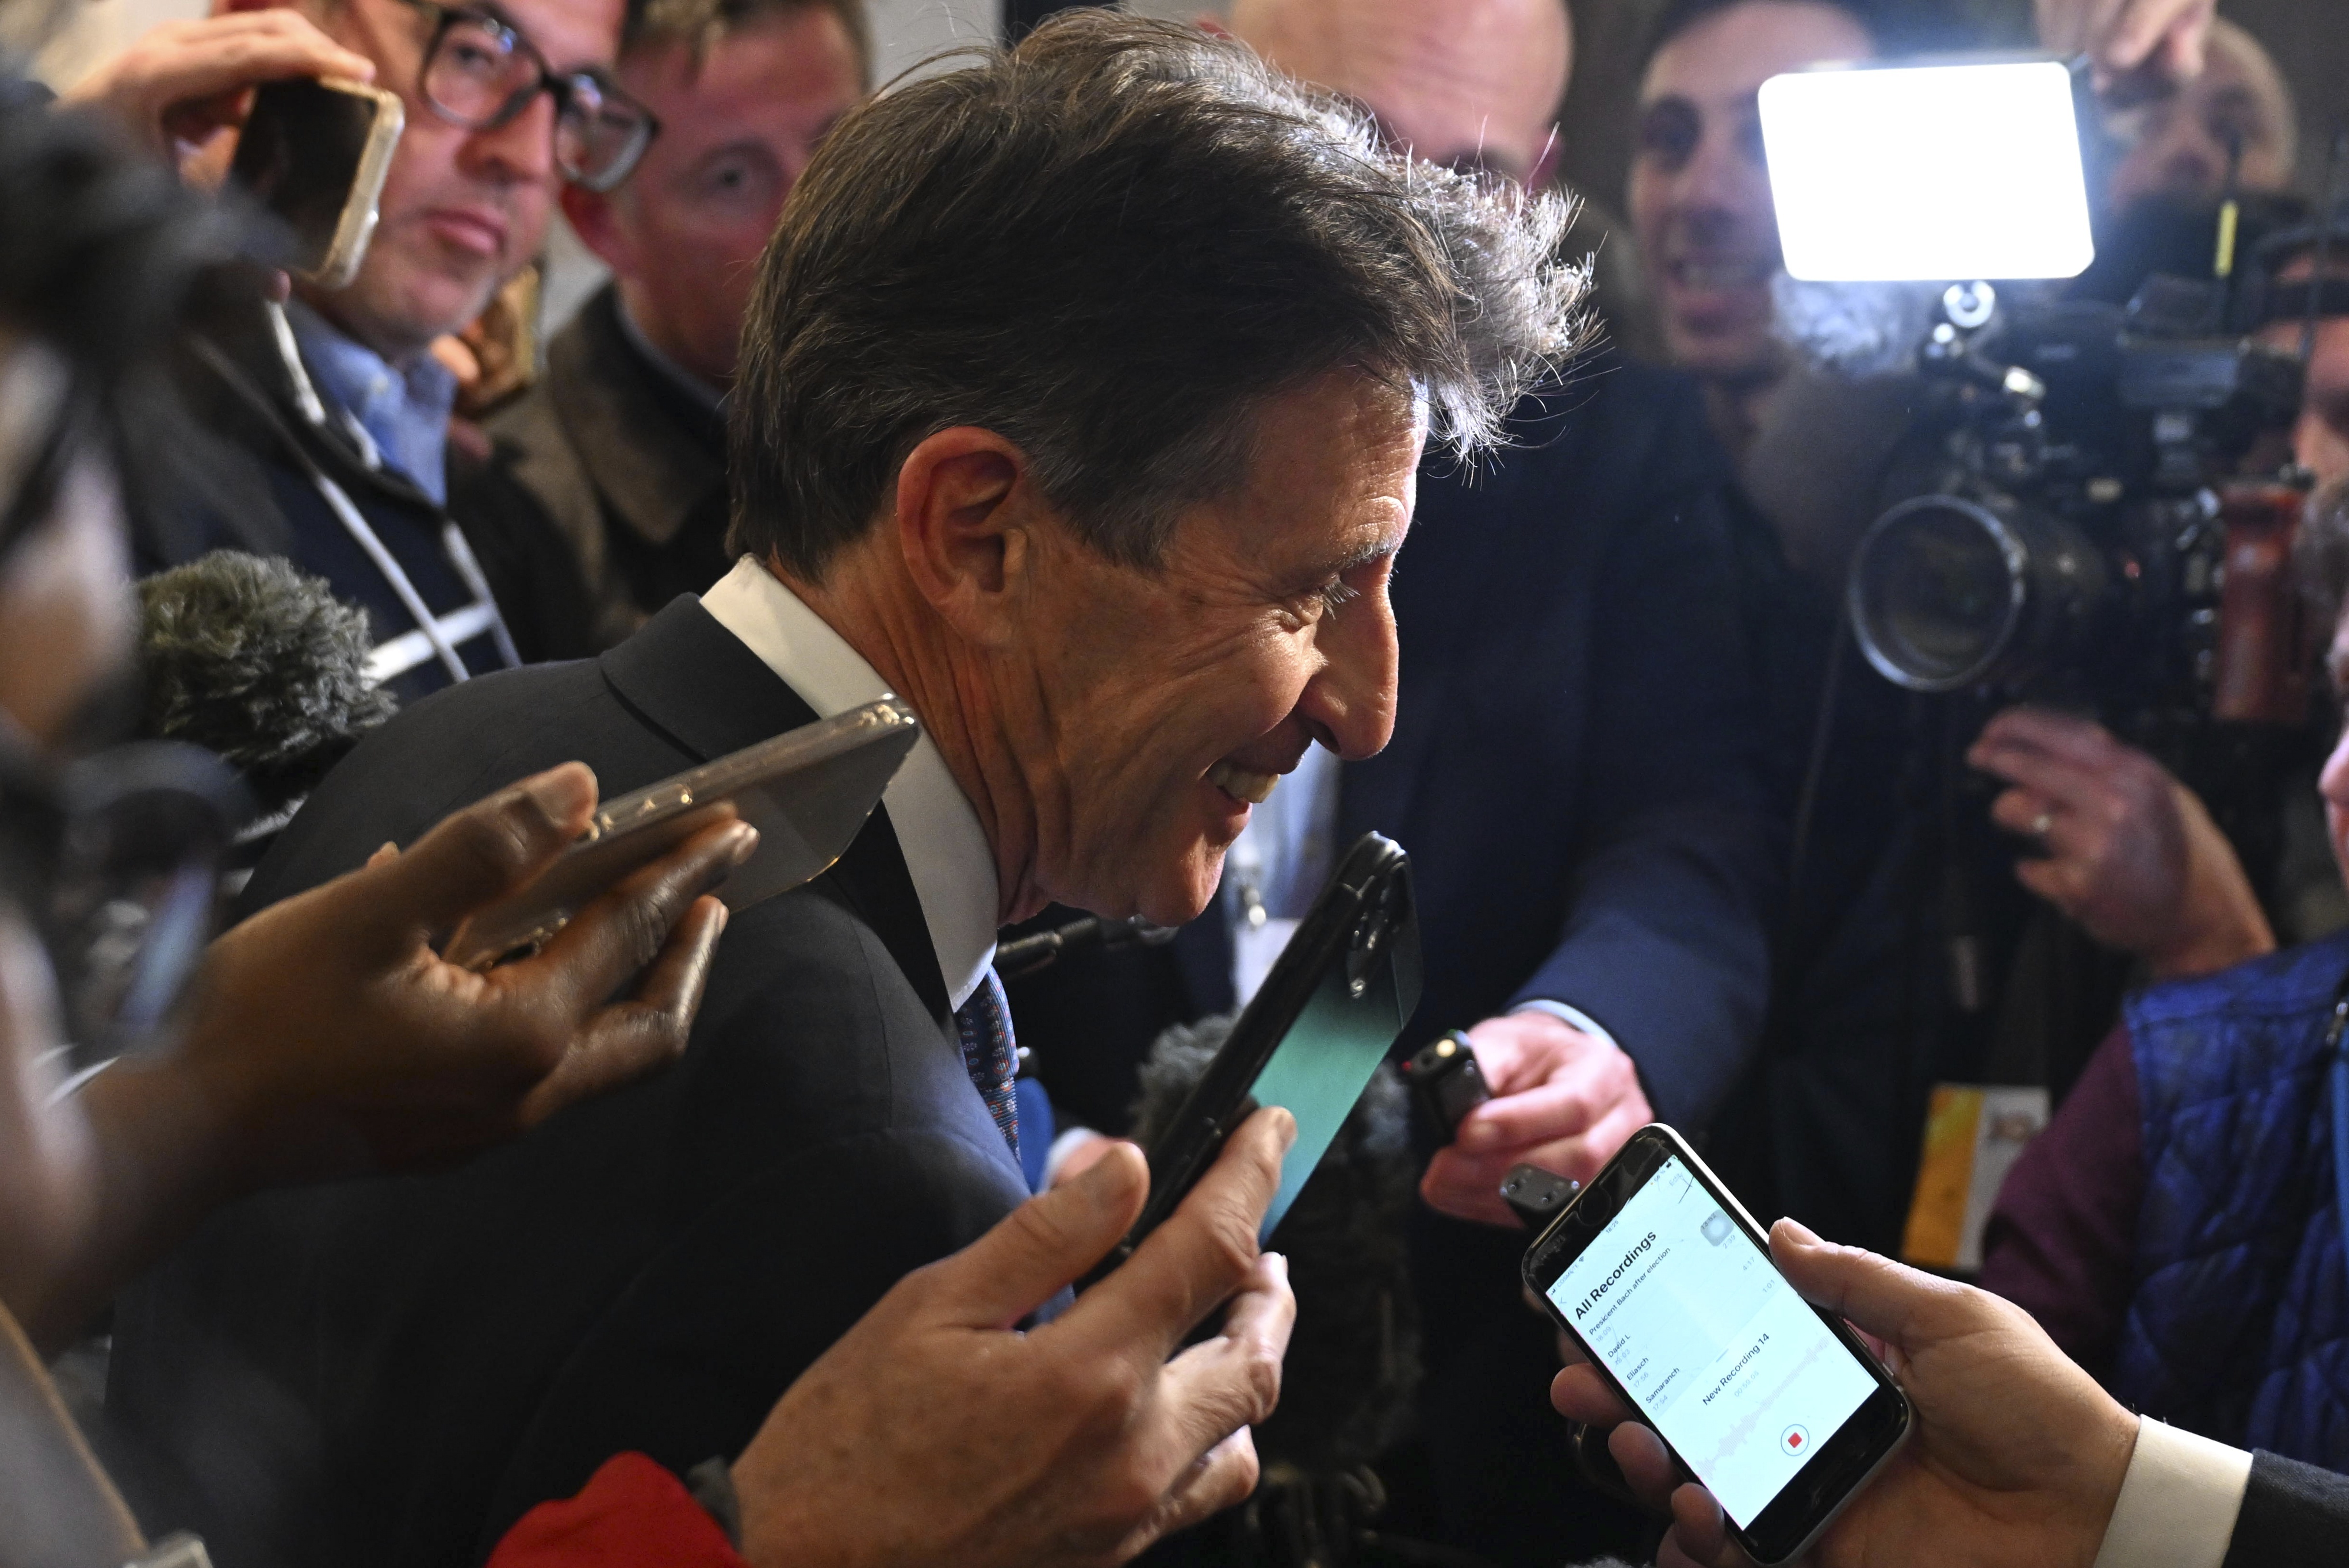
(2062, 1241)
(632, 1513)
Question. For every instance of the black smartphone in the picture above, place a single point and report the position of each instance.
(313, 154)
(1332, 1006)
(1666, 1283)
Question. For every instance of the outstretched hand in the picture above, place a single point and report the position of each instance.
(2130, 852)
(936, 1432)
(184, 87)
(2152, 43)
(348, 1042)
(2017, 1459)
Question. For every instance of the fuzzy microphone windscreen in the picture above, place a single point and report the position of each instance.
(252, 660)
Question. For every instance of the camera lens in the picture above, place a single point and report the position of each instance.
(1947, 593)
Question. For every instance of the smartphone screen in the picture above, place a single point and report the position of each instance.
(1325, 1061)
(1734, 1368)
(1668, 1286)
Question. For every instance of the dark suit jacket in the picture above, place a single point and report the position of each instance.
(2293, 1516)
(392, 1371)
(241, 481)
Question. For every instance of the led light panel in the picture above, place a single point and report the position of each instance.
(1926, 173)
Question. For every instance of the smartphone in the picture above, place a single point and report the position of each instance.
(1327, 1013)
(1939, 172)
(807, 792)
(1666, 1283)
(314, 153)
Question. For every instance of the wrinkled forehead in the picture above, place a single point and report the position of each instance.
(1723, 60)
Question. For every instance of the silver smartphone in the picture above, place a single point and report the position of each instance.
(314, 153)
(807, 792)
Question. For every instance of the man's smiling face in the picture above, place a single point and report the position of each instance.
(1151, 708)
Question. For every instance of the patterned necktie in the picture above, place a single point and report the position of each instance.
(990, 1055)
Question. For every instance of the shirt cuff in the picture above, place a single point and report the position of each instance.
(1062, 1146)
(1574, 1016)
(2178, 1503)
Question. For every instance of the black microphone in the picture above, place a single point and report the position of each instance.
(251, 659)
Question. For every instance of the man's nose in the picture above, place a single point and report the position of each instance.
(520, 151)
(1352, 700)
(1719, 180)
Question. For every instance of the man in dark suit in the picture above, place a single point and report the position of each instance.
(1576, 772)
(1122, 603)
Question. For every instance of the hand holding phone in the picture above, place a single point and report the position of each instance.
(2018, 1454)
(1663, 1281)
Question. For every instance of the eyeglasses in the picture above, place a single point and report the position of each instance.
(479, 73)
(117, 859)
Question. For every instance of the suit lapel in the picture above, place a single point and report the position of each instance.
(691, 679)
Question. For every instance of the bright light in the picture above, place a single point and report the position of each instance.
(1928, 173)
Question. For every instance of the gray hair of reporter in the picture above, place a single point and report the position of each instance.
(1111, 245)
(2320, 555)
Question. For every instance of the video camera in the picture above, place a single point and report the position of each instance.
(2105, 512)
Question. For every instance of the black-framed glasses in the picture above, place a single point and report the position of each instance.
(116, 859)
(479, 73)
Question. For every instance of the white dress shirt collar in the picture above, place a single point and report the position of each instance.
(946, 849)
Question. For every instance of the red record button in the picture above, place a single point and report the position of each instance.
(1793, 1441)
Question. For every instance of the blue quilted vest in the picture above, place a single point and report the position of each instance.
(2238, 1323)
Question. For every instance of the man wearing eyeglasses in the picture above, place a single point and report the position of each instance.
(333, 410)
(621, 447)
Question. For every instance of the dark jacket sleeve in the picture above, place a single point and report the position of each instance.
(2293, 1516)
(1667, 947)
(2061, 1241)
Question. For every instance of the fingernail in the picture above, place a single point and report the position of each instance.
(1799, 1234)
(1477, 1135)
(1287, 1124)
(1278, 1263)
(741, 843)
(724, 915)
(563, 793)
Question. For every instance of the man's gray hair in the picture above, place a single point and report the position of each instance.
(1111, 245)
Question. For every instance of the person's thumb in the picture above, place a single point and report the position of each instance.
(1045, 1244)
(474, 856)
(1896, 1304)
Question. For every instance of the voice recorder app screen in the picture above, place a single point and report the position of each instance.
(1732, 1366)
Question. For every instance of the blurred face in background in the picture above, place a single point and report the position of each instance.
(2179, 147)
(1700, 191)
(462, 211)
(64, 600)
(1468, 83)
(2320, 441)
(740, 121)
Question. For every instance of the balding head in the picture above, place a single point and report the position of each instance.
(1461, 82)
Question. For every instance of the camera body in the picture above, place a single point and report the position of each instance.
(2106, 515)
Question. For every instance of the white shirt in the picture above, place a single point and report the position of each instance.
(946, 849)
(2177, 1503)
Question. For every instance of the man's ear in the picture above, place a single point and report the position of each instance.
(967, 510)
